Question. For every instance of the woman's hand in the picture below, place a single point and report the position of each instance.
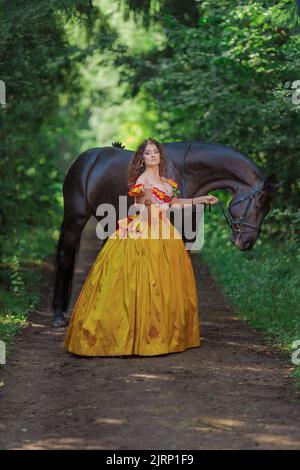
(205, 200)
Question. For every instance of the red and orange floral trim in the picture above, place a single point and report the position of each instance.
(173, 183)
(136, 189)
(161, 195)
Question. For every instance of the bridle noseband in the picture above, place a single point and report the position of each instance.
(237, 224)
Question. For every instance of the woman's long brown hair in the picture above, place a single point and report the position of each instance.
(135, 169)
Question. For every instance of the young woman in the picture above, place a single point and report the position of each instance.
(140, 296)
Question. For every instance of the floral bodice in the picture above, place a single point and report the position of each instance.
(160, 198)
(159, 194)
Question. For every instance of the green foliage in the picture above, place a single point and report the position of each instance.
(20, 293)
(148, 12)
(41, 62)
(227, 73)
(265, 288)
(228, 79)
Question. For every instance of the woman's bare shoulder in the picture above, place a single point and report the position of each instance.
(141, 179)
(138, 187)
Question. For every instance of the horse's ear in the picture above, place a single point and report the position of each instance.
(269, 180)
(278, 184)
(270, 184)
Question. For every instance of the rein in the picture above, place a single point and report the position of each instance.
(237, 224)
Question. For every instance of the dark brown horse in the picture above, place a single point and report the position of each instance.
(99, 175)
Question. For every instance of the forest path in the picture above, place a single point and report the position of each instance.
(234, 392)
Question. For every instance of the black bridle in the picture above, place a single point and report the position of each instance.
(237, 224)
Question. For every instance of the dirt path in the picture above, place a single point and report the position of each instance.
(231, 393)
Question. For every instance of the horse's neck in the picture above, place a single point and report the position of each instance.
(234, 173)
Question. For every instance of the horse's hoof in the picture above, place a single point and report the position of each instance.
(59, 322)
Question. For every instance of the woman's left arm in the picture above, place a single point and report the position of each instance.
(181, 202)
(196, 200)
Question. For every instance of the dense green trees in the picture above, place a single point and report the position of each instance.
(228, 78)
(40, 65)
(219, 72)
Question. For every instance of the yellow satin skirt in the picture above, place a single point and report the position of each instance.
(140, 296)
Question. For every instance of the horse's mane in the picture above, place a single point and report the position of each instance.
(118, 144)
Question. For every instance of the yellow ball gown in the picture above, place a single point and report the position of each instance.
(140, 296)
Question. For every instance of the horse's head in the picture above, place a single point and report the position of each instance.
(247, 211)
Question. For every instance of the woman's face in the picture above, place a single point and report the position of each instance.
(151, 155)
